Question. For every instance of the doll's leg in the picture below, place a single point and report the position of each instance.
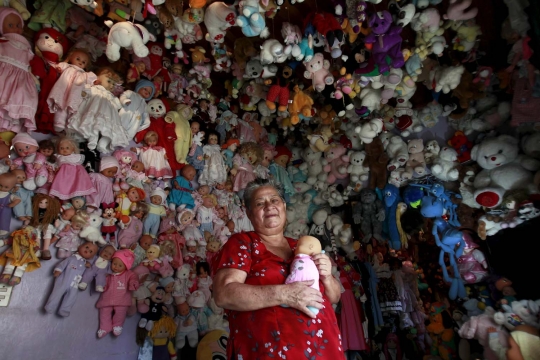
(105, 321)
(283, 99)
(9, 269)
(103, 144)
(180, 339)
(30, 183)
(17, 275)
(41, 176)
(193, 338)
(63, 253)
(55, 297)
(120, 313)
(60, 120)
(69, 300)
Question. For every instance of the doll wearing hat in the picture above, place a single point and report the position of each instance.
(18, 93)
(133, 115)
(34, 162)
(115, 300)
(103, 183)
(156, 211)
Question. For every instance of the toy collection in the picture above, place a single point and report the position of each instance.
(406, 149)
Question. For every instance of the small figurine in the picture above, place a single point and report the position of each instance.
(156, 211)
(99, 270)
(228, 151)
(108, 226)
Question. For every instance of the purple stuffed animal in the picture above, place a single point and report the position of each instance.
(386, 41)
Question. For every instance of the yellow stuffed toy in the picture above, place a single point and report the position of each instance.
(302, 104)
(181, 118)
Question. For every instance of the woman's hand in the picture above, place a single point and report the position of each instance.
(300, 295)
(324, 265)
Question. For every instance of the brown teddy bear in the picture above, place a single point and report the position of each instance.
(243, 51)
(376, 160)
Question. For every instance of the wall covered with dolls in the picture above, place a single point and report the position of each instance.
(405, 135)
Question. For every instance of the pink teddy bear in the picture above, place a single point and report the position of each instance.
(317, 69)
(335, 164)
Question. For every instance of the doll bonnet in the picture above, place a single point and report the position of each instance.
(166, 281)
(5, 11)
(144, 83)
(167, 223)
(191, 243)
(24, 138)
(159, 192)
(282, 150)
(126, 256)
(528, 344)
(108, 162)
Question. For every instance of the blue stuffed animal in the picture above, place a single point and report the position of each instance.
(391, 200)
(251, 20)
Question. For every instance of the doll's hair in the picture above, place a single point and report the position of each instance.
(80, 50)
(168, 323)
(252, 147)
(212, 197)
(167, 247)
(51, 212)
(142, 194)
(48, 144)
(110, 73)
(202, 265)
(150, 135)
(209, 133)
(71, 141)
(140, 207)
(79, 219)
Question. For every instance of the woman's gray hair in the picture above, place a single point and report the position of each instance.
(253, 186)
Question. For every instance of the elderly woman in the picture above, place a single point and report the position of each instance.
(269, 319)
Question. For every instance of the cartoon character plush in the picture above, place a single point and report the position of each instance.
(416, 162)
(317, 69)
(92, 232)
(385, 41)
(431, 151)
(127, 35)
(302, 105)
(369, 131)
(252, 21)
(445, 165)
(218, 18)
(272, 51)
(329, 29)
(402, 15)
(503, 169)
(255, 69)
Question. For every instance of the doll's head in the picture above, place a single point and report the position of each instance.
(78, 202)
(107, 252)
(138, 166)
(145, 88)
(195, 127)
(140, 211)
(140, 66)
(80, 58)
(78, 221)
(191, 246)
(308, 245)
(524, 343)
(164, 328)
(209, 201)
(46, 147)
(159, 295)
(107, 78)
(45, 209)
(125, 158)
(135, 194)
(203, 104)
(212, 138)
(268, 154)
(230, 225)
(203, 269)
(185, 217)
(252, 152)
(66, 213)
(167, 283)
(24, 144)
(167, 248)
(7, 182)
(231, 144)
(158, 196)
(153, 252)
(145, 241)
(220, 186)
(177, 69)
(67, 146)
(183, 308)
(122, 260)
(283, 155)
(151, 138)
(108, 166)
(188, 172)
(109, 211)
(11, 21)
(20, 175)
(203, 190)
(213, 245)
(222, 212)
(87, 250)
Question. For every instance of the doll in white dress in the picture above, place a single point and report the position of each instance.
(214, 171)
(154, 157)
(134, 116)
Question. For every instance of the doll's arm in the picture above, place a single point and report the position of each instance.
(58, 269)
(125, 97)
(133, 282)
(15, 200)
(480, 257)
(381, 214)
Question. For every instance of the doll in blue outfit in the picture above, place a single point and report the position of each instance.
(181, 190)
(156, 211)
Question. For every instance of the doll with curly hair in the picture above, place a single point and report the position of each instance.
(245, 162)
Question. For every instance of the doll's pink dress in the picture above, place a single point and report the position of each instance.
(245, 173)
(71, 179)
(18, 93)
(155, 164)
(66, 95)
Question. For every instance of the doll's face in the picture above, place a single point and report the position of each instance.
(177, 69)
(24, 150)
(183, 308)
(195, 127)
(139, 215)
(126, 159)
(20, 175)
(43, 204)
(151, 141)
(137, 166)
(46, 151)
(230, 226)
(145, 92)
(46, 43)
(68, 213)
(109, 172)
(220, 186)
(208, 203)
(158, 295)
(152, 253)
(251, 156)
(77, 203)
(203, 105)
(186, 218)
(169, 287)
(156, 200)
(233, 147)
(65, 148)
(107, 252)
(282, 160)
(268, 156)
(117, 266)
(106, 81)
(108, 213)
(203, 190)
(308, 245)
(133, 195)
(222, 213)
(80, 59)
(76, 226)
(145, 242)
(7, 183)
(191, 248)
(87, 250)
(140, 67)
(213, 247)
(202, 273)
(188, 172)
(228, 185)
(212, 139)
(12, 25)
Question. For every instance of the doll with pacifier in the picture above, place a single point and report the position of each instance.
(133, 114)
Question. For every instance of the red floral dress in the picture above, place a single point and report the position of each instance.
(276, 332)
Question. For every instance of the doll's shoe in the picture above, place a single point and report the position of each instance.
(82, 286)
(101, 333)
(143, 322)
(117, 330)
(15, 280)
(45, 255)
(5, 279)
(99, 288)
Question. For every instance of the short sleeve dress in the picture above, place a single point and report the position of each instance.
(276, 332)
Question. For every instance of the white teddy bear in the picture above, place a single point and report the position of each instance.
(92, 232)
(431, 151)
(312, 165)
(356, 168)
(397, 179)
(297, 229)
(446, 78)
(369, 131)
(371, 98)
(397, 152)
(127, 35)
(445, 166)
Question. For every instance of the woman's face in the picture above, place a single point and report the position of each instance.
(267, 212)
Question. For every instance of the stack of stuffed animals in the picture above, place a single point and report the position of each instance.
(124, 157)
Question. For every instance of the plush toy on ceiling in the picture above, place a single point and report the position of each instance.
(251, 20)
(459, 10)
(325, 24)
(218, 18)
(385, 41)
(402, 15)
(127, 35)
(317, 69)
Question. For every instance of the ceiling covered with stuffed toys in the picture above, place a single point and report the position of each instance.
(404, 134)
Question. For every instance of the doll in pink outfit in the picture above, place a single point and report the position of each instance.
(303, 267)
(103, 183)
(47, 148)
(125, 160)
(66, 94)
(71, 177)
(131, 231)
(198, 194)
(115, 300)
(152, 261)
(168, 231)
(244, 163)
(18, 93)
(69, 239)
(34, 162)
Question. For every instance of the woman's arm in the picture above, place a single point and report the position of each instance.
(231, 292)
